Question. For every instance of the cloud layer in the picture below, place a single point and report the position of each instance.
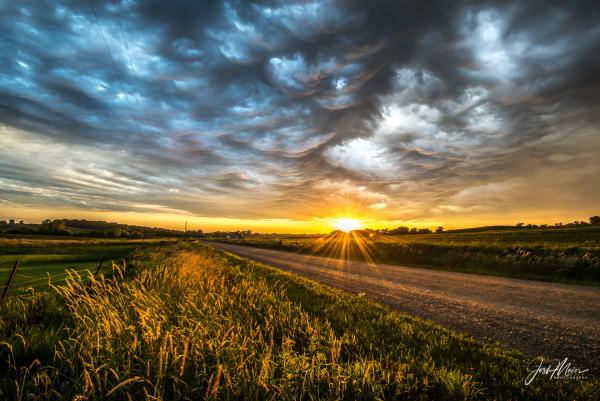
(282, 109)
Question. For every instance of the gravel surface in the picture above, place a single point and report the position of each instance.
(537, 318)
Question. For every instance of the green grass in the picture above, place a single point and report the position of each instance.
(195, 323)
(45, 261)
(561, 255)
(40, 276)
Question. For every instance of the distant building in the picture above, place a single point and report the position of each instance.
(236, 235)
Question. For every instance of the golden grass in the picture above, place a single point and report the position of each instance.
(197, 324)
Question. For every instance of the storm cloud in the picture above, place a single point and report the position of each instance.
(285, 109)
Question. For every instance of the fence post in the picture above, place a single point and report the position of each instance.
(99, 266)
(9, 281)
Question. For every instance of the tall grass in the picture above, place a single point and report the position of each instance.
(195, 323)
(561, 257)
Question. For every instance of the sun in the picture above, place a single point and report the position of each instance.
(347, 224)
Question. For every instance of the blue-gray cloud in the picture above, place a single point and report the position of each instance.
(257, 109)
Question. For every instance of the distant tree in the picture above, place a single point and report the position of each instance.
(21, 222)
(520, 224)
(116, 233)
(398, 230)
(11, 221)
(439, 229)
(413, 231)
(424, 231)
(45, 226)
(58, 226)
(2, 221)
(595, 220)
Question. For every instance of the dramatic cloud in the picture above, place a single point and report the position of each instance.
(299, 109)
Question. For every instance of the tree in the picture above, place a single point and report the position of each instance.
(439, 230)
(58, 226)
(45, 226)
(2, 221)
(398, 230)
(11, 221)
(136, 234)
(21, 222)
(595, 220)
(53, 227)
(520, 225)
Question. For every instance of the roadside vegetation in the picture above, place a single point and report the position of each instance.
(563, 255)
(191, 322)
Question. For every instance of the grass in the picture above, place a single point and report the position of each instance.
(44, 261)
(191, 322)
(560, 255)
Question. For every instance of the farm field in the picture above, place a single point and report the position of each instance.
(44, 261)
(192, 322)
(570, 255)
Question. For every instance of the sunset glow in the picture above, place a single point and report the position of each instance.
(347, 224)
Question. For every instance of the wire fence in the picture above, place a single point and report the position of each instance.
(39, 279)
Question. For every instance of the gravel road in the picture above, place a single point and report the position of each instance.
(537, 318)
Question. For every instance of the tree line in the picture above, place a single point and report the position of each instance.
(593, 221)
(94, 229)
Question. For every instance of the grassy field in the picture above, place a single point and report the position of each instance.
(563, 255)
(44, 261)
(191, 322)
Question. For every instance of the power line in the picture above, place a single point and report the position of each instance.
(112, 60)
(129, 58)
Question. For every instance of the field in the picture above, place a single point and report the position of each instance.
(563, 255)
(47, 260)
(191, 322)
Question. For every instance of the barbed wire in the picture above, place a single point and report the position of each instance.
(51, 277)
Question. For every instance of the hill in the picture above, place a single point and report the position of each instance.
(91, 228)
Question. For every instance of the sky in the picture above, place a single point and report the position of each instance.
(283, 115)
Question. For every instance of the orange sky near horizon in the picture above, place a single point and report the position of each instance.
(312, 226)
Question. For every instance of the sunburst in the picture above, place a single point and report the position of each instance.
(347, 224)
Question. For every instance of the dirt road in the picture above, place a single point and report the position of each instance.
(537, 318)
